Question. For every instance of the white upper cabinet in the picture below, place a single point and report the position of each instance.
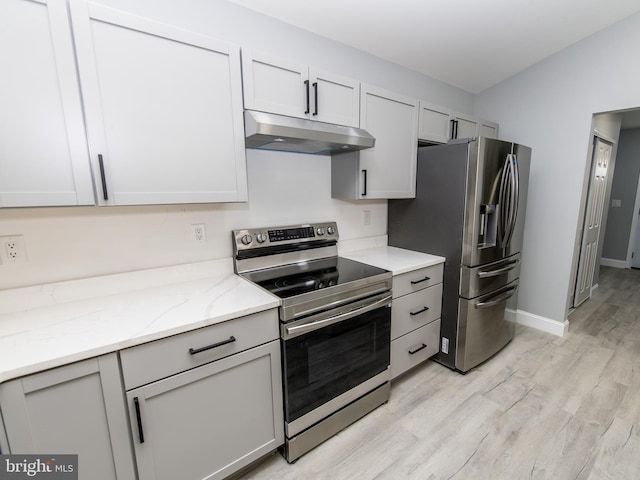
(276, 85)
(463, 126)
(388, 170)
(438, 124)
(163, 110)
(434, 123)
(43, 151)
(487, 129)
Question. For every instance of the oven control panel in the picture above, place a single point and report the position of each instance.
(251, 238)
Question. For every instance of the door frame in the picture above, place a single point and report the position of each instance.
(634, 225)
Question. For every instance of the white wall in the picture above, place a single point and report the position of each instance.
(77, 242)
(549, 107)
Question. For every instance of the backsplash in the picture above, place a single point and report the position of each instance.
(79, 242)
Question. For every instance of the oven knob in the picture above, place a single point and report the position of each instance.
(261, 238)
(246, 239)
(331, 230)
(320, 230)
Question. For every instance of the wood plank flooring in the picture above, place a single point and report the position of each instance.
(543, 408)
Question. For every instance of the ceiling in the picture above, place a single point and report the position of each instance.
(471, 44)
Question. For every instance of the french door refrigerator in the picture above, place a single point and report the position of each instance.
(469, 208)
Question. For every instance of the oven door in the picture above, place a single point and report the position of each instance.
(333, 358)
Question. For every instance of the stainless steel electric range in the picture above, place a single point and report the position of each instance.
(335, 327)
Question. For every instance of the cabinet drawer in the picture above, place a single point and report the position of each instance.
(159, 359)
(408, 312)
(417, 280)
(401, 357)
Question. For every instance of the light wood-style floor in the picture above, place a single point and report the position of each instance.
(543, 408)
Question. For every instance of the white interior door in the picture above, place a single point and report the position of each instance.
(593, 216)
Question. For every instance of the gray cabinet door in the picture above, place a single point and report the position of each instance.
(210, 421)
(163, 109)
(44, 159)
(75, 409)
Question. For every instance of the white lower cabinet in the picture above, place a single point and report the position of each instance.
(214, 419)
(415, 317)
(74, 409)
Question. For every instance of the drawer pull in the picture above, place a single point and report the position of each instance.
(424, 309)
(193, 351)
(416, 350)
(136, 403)
(425, 279)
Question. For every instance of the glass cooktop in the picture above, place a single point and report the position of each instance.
(300, 278)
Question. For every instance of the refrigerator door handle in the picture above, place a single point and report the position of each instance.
(502, 201)
(499, 271)
(496, 298)
(515, 188)
(510, 201)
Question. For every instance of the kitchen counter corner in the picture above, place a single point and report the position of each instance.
(397, 260)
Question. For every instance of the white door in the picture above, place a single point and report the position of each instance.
(593, 216)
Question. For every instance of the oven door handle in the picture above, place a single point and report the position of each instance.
(308, 327)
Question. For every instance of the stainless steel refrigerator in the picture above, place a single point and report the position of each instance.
(470, 205)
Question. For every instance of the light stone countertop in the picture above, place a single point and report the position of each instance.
(57, 324)
(397, 260)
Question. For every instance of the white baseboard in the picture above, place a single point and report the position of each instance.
(610, 262)
(536, 321)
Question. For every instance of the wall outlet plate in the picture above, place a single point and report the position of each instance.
(198, 233)
(12, 249)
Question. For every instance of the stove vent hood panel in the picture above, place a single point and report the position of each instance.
(268, 131)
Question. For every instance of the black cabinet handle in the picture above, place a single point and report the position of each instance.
(306, 84)
(315, 89)
(416, 350)
(425, 279)
(454, 129)
(105, 195)
(193, 351)
(419, 311)
(364, 183)
(139, 419)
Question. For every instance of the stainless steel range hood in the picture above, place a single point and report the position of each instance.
(267, 131)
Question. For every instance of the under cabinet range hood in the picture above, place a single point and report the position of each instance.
(268, 131)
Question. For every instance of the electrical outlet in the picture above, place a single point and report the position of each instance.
(366, 217)
(198, 233)
(12, 249)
